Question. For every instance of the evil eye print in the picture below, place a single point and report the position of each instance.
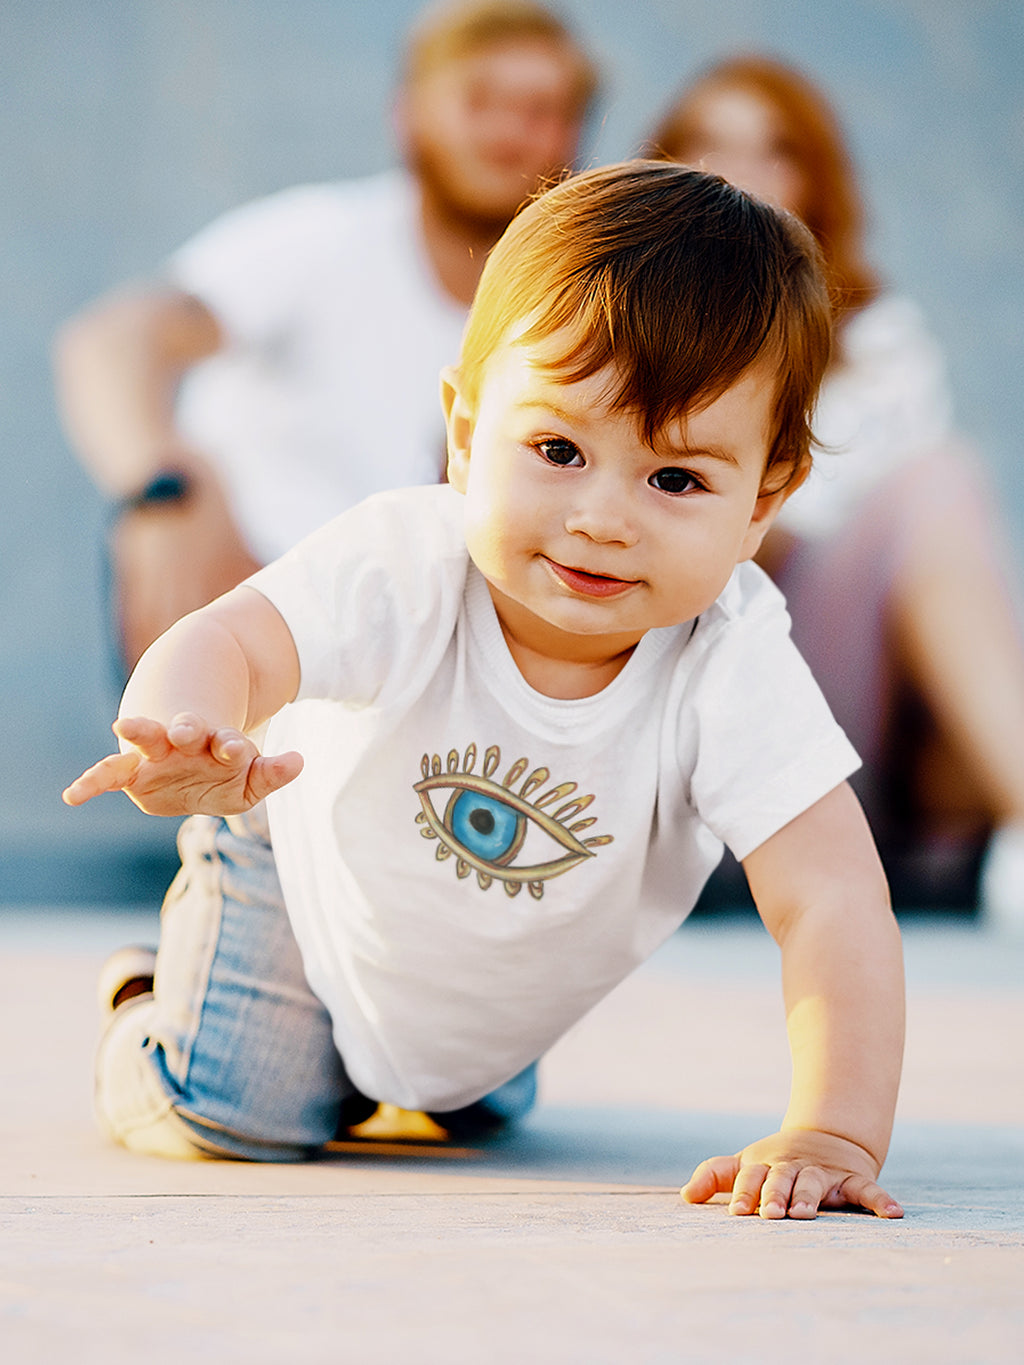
(485, 825)
(491, 829)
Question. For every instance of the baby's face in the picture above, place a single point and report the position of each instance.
(588, 537)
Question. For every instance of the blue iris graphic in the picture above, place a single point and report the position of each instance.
(488, 828)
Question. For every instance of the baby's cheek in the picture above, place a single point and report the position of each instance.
(699, 582)
(485, 545)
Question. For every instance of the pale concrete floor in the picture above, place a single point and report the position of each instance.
(569, 1244)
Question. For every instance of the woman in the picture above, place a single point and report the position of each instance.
(899, 601)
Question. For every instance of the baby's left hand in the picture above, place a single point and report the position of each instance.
(793, 1175)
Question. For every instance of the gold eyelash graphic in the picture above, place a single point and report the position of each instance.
(484, 823)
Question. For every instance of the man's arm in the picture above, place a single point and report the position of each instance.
(118, 366)
(820, 889)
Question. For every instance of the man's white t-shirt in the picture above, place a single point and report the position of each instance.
(336, 329)
(469, 865)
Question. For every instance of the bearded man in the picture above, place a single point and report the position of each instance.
(251, 394)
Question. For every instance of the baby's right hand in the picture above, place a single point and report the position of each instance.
(185, 768)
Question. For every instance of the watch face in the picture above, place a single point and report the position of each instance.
(170, 485)
(167, 486)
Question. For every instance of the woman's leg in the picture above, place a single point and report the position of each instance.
(914, 597)
(958, 640)
(232, 1055)
(957, 634)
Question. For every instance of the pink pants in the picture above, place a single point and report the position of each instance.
(840, 591)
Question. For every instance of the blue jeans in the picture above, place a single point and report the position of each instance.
(233, 1055)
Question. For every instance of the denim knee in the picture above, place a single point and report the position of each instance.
(233, 1054)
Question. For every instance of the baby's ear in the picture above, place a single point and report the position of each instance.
(786, 478)
(459, 423)
(777, 485)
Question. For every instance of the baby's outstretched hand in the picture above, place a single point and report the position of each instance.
(793, 1175)
(185, 768)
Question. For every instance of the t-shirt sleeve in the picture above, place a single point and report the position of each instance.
(765, 742)
(371, 598)
(248, 264)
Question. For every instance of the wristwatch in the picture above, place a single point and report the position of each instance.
(165, 488)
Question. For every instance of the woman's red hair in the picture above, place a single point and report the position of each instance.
(834, 211)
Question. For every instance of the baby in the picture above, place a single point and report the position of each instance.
(512, 722)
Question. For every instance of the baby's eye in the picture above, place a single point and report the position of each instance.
(557, 450)
(674, 481)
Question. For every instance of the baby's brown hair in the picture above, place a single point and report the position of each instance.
(675, 277)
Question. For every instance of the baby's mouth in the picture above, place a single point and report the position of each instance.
(590, 584)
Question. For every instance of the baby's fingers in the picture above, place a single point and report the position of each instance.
(794, 1192)
(863, 1193)
(230, 748)
(266, 775)
(785, 1189)
(110, 774)
(149, 737)
(714, 1176)
(191, 735)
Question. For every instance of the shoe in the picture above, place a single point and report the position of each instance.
(1001, 884)
(390, 1124)
(126, 974)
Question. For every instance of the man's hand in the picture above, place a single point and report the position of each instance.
(185, 768)
(793, 1174)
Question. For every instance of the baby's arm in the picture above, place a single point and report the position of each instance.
(821, 892)
(188, 706)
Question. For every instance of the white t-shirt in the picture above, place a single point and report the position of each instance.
(469, 865)
(337, 329)
(886, 404)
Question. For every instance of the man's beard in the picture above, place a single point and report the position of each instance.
(463, 213)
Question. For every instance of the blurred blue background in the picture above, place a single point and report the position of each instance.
(131, 123)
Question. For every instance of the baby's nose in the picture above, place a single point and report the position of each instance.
(603, 515)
